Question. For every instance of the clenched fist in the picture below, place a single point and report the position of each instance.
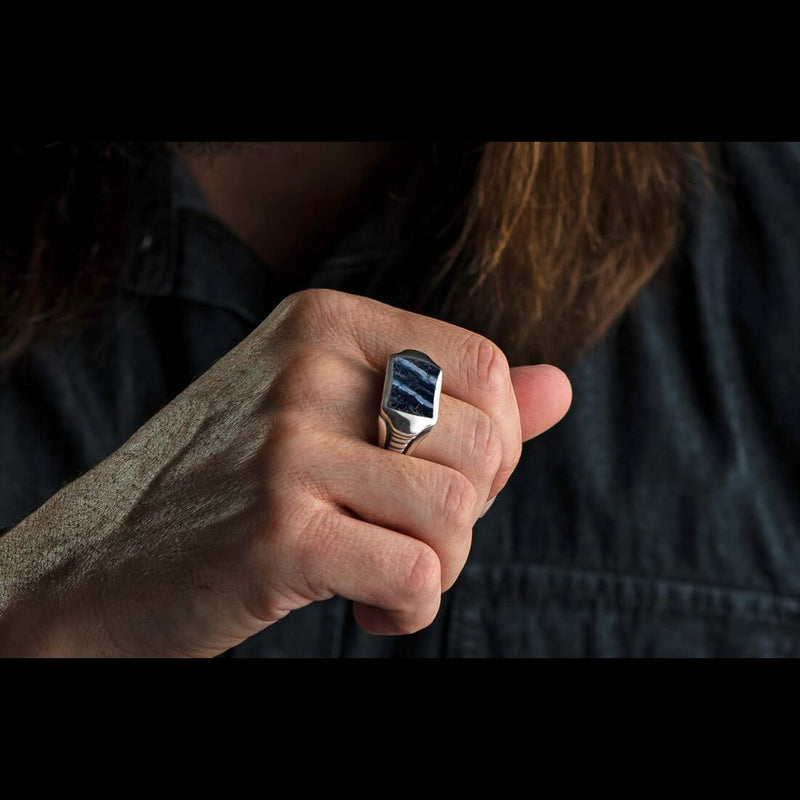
(260, 489)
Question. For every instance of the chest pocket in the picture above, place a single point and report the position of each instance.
(528, 611)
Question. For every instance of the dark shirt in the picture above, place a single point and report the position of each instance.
(661, 517)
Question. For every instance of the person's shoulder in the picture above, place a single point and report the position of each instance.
(763, 167)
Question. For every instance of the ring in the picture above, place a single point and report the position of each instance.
(410, 403)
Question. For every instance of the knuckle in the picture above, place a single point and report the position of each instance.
(485, 448)
(293, 312)
(459, 500)
(287, 434)
(303, 313)
(507, 465)
(489, 366)
(420, 577)
(305, 375)
(306, 302)
(329, 316)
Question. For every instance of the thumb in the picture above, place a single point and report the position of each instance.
(544, 395)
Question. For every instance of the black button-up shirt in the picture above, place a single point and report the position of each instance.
(661, 517)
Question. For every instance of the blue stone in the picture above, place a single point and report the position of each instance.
(413, 386)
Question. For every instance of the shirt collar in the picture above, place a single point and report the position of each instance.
(179, 249)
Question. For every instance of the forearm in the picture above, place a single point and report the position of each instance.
(46, 569)
(106, 564)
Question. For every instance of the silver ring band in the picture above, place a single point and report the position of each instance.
(410, 403)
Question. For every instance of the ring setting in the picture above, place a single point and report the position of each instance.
(410, 403)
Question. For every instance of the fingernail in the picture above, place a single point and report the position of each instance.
(487, 507)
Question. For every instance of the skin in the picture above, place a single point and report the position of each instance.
(259, 490)
(290, 202)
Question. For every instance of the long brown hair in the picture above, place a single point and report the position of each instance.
(557, 238)
(553, 240)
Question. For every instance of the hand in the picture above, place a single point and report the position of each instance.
(260, 489)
